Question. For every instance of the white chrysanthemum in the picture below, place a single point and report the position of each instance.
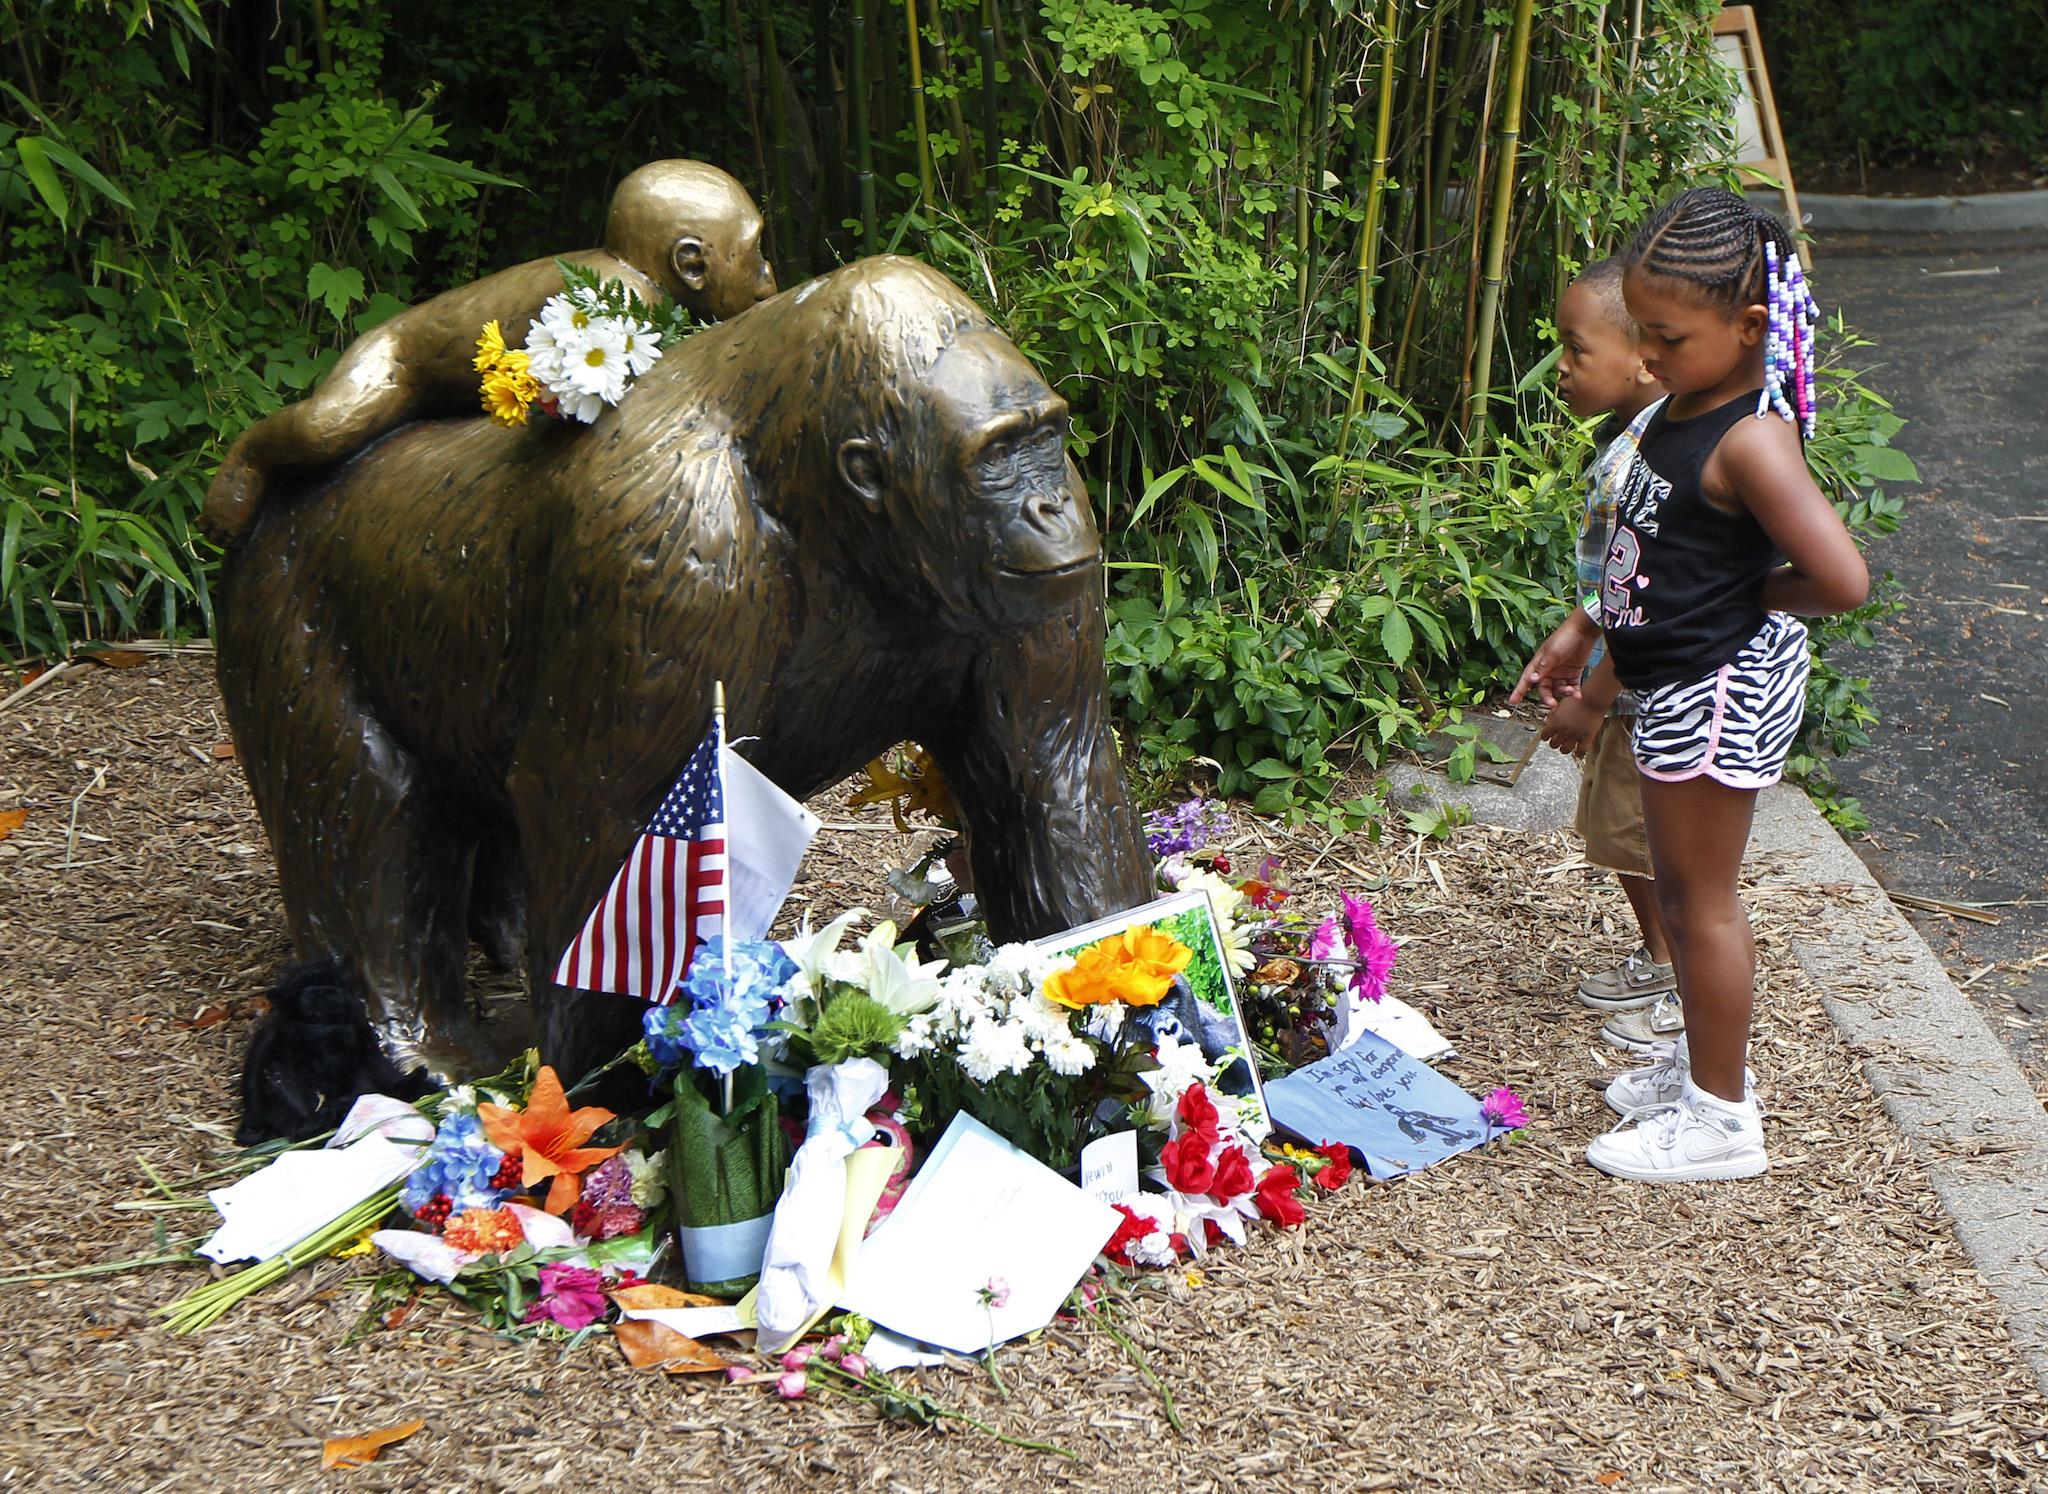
(994, 1048)
(1105, 1022)
(1042, 1021)
(569, 314)
(918, 1036)
(1069, 1055)
(544, 355)
(577, 405)
(596, 363)
(643, 347)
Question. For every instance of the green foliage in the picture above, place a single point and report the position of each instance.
(1853, 460)
(1881, 79)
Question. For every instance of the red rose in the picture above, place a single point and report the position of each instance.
(1276, 1196)
(1212, 1232)
(1187, 1163)
(1197, 1111)
(1233, 1175)
(1338, 1171)
(1131, 1228)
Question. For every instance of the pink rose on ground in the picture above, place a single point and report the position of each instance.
(572, 1296)
(791, 1386)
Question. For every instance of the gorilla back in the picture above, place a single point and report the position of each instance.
(851, 503)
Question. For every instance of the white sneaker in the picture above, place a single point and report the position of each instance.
(1658, 1084)
(1699, 1139)
(1647, 1028)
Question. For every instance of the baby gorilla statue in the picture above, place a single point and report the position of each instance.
(675, 229)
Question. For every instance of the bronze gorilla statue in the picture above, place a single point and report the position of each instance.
(852, 503)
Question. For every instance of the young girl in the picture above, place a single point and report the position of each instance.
(1720, 535)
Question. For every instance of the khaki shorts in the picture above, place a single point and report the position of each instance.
(1610, 817)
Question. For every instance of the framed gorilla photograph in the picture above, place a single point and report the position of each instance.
(1201, 1006)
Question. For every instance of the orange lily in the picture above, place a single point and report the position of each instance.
(547, 1137)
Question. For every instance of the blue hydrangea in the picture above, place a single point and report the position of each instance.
(719, 1026)
(458, 1162)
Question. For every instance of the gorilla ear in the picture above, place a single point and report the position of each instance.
(687, 259)
(860, 463)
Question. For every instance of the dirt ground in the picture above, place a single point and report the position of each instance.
(1510, 1320)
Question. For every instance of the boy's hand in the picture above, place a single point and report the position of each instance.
(1571, 726)
(1554, 669)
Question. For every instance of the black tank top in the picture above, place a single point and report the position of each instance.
(1679, 599)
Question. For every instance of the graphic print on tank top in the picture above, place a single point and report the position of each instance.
(1640, 494)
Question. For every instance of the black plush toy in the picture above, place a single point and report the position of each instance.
(312, 1056)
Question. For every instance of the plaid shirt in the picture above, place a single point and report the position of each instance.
(1596, 532)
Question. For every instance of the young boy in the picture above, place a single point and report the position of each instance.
(1600, 373)
(677, 230)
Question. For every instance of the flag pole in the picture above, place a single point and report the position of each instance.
(725, 940)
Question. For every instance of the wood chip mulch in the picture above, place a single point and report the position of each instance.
(1510, 1320)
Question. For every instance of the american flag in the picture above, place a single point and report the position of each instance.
(667, 899)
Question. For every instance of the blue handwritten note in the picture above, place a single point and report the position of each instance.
(1397, 1112)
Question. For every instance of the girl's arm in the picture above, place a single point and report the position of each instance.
(1759, 466)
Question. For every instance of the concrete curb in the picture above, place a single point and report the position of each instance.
(1988, 212)
(1967, 1114)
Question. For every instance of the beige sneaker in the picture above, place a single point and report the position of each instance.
(1647, 1027)
(1636, 981)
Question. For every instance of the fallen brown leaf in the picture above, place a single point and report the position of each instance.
(656, 1346)
(651, 1294)
(11, 820)
(223, 749)
(1611, 1477)
(354, 1452)
(116, 658)
(206, 1016)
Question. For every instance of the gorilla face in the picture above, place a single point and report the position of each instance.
(985, 479)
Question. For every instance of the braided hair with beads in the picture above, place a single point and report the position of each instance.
(1737, 255)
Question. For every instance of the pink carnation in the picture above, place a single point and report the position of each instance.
(572, 1296)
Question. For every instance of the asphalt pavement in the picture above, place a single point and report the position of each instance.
(1953, 782)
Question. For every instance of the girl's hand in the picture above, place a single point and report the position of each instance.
(1571, 726)
(1760, 466)
(1554, 669)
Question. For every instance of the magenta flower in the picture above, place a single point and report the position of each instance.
(572, 1296)
(1503, 1108)
(1375, 951)
(798, 1357)
(855, 1365)
(1324, 943)
(791, 1386)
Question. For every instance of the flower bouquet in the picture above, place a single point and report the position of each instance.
(582, 352)
(727, 1153)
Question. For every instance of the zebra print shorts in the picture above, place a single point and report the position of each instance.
(1736, 725)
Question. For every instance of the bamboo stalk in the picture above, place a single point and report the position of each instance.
(746, 84)
(1306, 75)
(781, 237)
(1369, 235)
(917, 118)
(1503, 202)
(830, 107)
(991, 144)
(935, 18)
(1628, 92)
(1475, 184)
(863, 151)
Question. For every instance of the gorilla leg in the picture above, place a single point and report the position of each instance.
(372, 868)
(1051, 830)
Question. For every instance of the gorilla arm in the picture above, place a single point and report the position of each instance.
(416, 365)
(1054, 838)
